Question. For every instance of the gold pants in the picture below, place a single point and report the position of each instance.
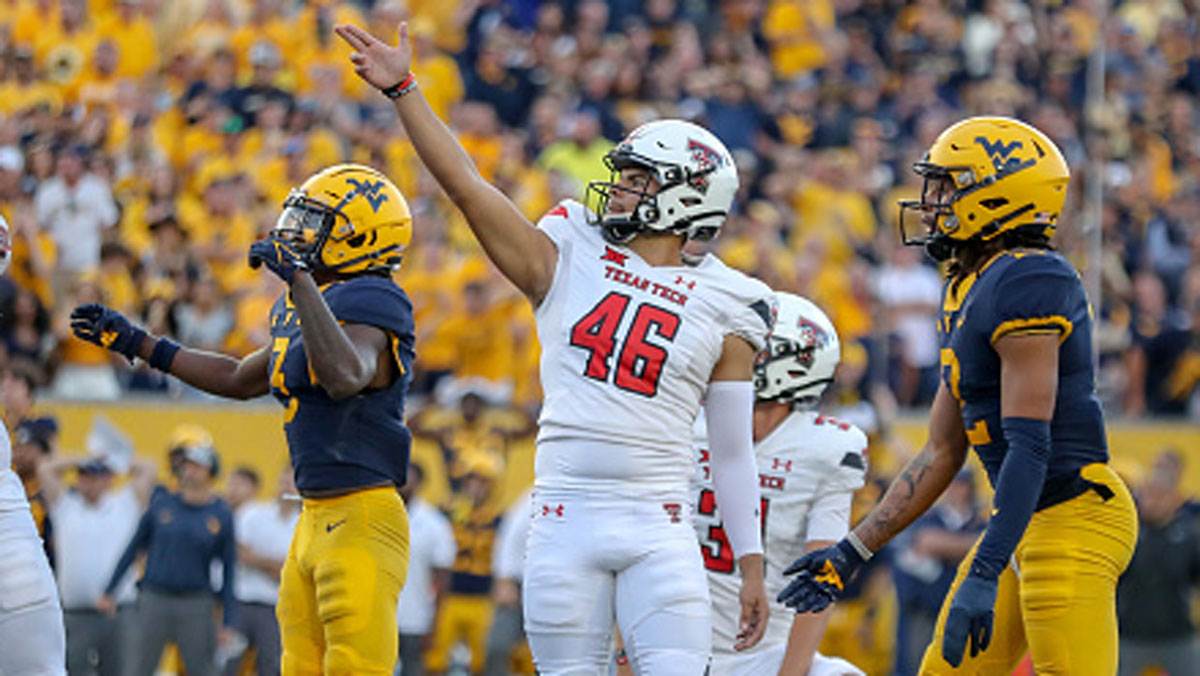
(340, 584)
(1059, 603)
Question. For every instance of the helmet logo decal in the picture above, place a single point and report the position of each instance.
(812, 336)
(370, 192)
(706, 160)
(1000, 153)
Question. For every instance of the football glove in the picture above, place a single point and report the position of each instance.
(107, 328)
(970, 619)
(279, 256)
(823, 575)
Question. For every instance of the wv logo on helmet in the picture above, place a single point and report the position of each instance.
(1000, 152)
(370, 192)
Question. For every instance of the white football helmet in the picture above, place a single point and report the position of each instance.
(801, 354)
(696, 177)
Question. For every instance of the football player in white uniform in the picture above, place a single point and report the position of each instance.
(633, 337)
(809, 466)
(32, 638)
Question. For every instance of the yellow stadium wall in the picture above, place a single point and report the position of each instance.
(248, 433)
(251, 434)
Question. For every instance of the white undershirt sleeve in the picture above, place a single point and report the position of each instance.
(729, 409)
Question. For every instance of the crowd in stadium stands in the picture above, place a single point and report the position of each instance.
(144, 144)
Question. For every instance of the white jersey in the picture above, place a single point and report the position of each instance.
(809, 467)
(12, 491)
(627, 352)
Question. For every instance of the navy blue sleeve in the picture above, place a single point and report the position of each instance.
(1035, 295)
(374, 301)
(1017, 489)
(139, 541)
(229, 561)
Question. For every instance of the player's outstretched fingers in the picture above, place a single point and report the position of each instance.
(802, 594)
(810, 561)
(354, 36)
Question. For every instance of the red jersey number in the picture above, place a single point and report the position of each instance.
(716, 550)
(640, 362)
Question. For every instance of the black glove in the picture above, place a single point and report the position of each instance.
(107, 328)
(970, 619)
(277, 255)
(823, 575)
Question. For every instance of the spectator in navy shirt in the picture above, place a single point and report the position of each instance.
(182, 532)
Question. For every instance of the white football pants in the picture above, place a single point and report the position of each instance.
(591, 560)
(32, 639)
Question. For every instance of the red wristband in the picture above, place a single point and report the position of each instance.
(401, 88)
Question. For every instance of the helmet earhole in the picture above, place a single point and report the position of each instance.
(357, 240)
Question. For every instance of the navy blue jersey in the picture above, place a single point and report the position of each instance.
(360, 440)
(1025, 291)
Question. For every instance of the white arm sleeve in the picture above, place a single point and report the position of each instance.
(729, 409)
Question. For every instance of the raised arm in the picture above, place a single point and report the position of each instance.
(50, 477)
(345, 359)
(142, 476)
(523, 253)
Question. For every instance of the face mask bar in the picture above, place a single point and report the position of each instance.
(620, 228)
(937, 244)
(306, 224)
(778, 350)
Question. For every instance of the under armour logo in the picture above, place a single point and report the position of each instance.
(673, 509)
(370, 192)
(613, 255)
(786, 465)
(690, 284)
(999, 151)
(556, 510)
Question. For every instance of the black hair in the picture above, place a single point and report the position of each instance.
(971, 254)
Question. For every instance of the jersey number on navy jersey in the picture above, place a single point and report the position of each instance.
(640, 363)
(717, 552)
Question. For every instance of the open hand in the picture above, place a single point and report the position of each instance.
(822, 577)
(375, 61)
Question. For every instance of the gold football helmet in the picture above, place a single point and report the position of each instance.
(348, 219)
(985, 176)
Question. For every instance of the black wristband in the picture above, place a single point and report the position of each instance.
(400, 88)
(164, 354)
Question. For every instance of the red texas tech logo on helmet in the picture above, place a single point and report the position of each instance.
(706, 159)
(812, 336)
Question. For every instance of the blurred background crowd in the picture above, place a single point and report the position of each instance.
(144, 144)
